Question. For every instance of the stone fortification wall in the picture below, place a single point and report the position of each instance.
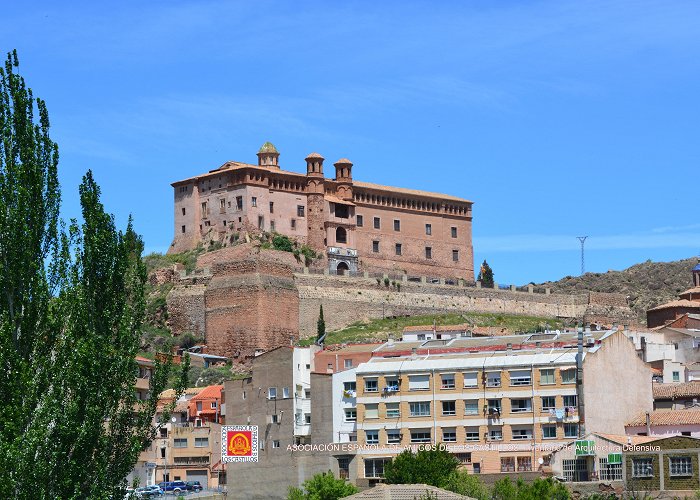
(347, 300)
(186, 309)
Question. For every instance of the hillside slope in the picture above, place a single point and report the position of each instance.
(646, 285)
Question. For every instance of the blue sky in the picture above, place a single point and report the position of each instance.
(558, 119)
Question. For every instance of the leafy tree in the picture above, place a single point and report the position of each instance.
(323, 486)
(433, 467)
(470, 485)
(71, 307)
(486, 275)
(539, 489)
(320, 325)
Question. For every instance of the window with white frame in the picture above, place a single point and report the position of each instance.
(275, 443)
(393, 436)
(348, 363)
(568, 376)
(420, 436)
(680, 466)
(372, 410)
(520, 405)
(493, 379)
(470, 379)
(521, 433)
(419, 408)
(392, 410)
(549, 403)
(570, 430)
(449, 435)
(471, 434)
(547, 376)
(449, 408)
(418, 382)
(350, 414)
(570, 401)
(549, 431)
(372, 437)
(447, 381)
(609, 471)
(272, 393)
(371, 385)
(496, 435)
(471, 406)
(201, 442)
(374, 467)
(285, 392)
(643, 467)
(521, 377)
(494, 406)
(392, 384)
(350, 386)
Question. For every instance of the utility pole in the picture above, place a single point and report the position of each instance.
(582, 239)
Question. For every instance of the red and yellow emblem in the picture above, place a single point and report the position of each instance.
(239, 443)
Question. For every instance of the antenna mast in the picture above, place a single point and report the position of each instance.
(582, 239)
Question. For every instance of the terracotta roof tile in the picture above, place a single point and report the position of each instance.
(625, 439)
(675, 391)
(690, 416)
(413, 192)
(406, 492)
(212, 391)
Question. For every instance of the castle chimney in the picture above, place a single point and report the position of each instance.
(314, 165)
(268, 156)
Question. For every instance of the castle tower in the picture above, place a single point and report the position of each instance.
(696, 275)
(268, 156)
(315, 203)
(343, 176)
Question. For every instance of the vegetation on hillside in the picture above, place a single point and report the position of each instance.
(646, 285)
(379, 329)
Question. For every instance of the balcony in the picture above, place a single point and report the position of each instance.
(348, 252)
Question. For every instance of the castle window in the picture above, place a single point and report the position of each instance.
(428, 229)
(205, 211)
(454, 231)
(229, 204)
(294, 224)
(272, 207)
(261, 222)
(300, 210)
(341, 235)
(398, 249)
(239, 203)
(428, 252)
(397, 225)
(254, 201)
(455, 255)
(224, 223)
(375, 246)
(183, 229)
(341, 211)
(360, 221)
(377, 223)
(272, 225)
(222, 203)
(183, 210)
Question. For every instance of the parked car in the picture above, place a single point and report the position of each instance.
(174, 486)
(194, 486)
(148, 492)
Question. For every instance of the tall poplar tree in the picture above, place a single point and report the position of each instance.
(71, 307)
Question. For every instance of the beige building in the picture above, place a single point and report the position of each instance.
(356, 226)
(499, 404)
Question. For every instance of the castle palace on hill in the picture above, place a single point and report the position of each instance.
(356, 226)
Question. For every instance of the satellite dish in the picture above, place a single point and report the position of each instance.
(173, 420)
(540, 460)
(597, 327)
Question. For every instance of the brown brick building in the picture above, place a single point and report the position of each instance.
(355, 225)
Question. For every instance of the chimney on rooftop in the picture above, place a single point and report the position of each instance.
(648, 419)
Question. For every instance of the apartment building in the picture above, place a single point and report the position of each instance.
(500, 404)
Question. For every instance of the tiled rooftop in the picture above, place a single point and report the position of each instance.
(690, 416)
(675, 391)
(406, 492)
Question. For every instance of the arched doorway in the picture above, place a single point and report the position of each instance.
(342, 268)
(341, 236)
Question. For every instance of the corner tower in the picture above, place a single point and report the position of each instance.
(343, 177)
(315, 202)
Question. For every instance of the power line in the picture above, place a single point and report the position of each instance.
(582, 239)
